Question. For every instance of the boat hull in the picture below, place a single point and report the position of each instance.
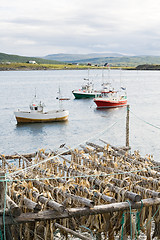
(102, 103)
(79, 95)
(53, 116)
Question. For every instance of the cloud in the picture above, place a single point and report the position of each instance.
(43, 27)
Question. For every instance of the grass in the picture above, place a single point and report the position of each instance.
(28, 66)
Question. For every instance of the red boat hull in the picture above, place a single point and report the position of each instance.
(101, 103)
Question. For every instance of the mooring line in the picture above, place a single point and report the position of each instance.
(130, 211)
(71, 177)
(58, 154)
(152, 217)
(145, 121)
(5, 202)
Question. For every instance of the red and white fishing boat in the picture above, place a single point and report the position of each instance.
(110, 98)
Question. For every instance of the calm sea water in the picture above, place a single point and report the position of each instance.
(17, 89)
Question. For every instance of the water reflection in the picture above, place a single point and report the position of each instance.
(107, 112)
(38, 128)
(32, 127)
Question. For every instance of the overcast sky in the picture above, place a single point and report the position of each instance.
(42, 27)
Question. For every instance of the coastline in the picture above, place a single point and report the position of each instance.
(35, 67)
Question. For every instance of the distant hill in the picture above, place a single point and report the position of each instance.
(100, 59)
(20, 59)
(148, 67)
(114, 59)
(128, 61)
(79, 57)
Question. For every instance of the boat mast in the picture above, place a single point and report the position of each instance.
(59, 97)
(35, 95)
(88, 74)
(102, 76)
(108, 73)
(120, 78)
(127, 127)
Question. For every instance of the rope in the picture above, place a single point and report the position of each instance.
(56, 231)
(71, 177)
(122, 222)
(154, 167)
(145, 121)
(9, 232)
(5, 195)
(130, 211)
(51, 158)
(138, 228)
(137, 224)
(1, 234)
(152, 217)
(87, 229)
(137, 220)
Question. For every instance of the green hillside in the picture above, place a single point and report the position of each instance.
(20, 59)
(79, 57)
(128, 61)
(116, 60)
(148, 67)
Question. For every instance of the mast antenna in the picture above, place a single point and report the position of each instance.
(35, 95)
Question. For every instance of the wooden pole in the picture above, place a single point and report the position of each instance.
(36, 207)
(82, 200)
(28, 163)
(127, 127)
(132, 196)
(79, 212)
(16, 156)
(2, 190)
(71, 232)
(14, 209)
(50, 203)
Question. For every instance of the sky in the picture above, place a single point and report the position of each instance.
(43, 27)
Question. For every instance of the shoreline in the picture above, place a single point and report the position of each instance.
(36, 67)
(44, 67)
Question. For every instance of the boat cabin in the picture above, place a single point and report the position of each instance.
(34, 107)
(88, 87)
(108, 94)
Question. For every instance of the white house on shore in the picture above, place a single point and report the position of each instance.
(32, 62)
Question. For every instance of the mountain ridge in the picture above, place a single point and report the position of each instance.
(99, 59)
(23, 59)
(77, 57)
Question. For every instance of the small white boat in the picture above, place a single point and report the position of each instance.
(36, 114)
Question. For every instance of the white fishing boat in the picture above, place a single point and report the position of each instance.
(37, 114)
(86, 91)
